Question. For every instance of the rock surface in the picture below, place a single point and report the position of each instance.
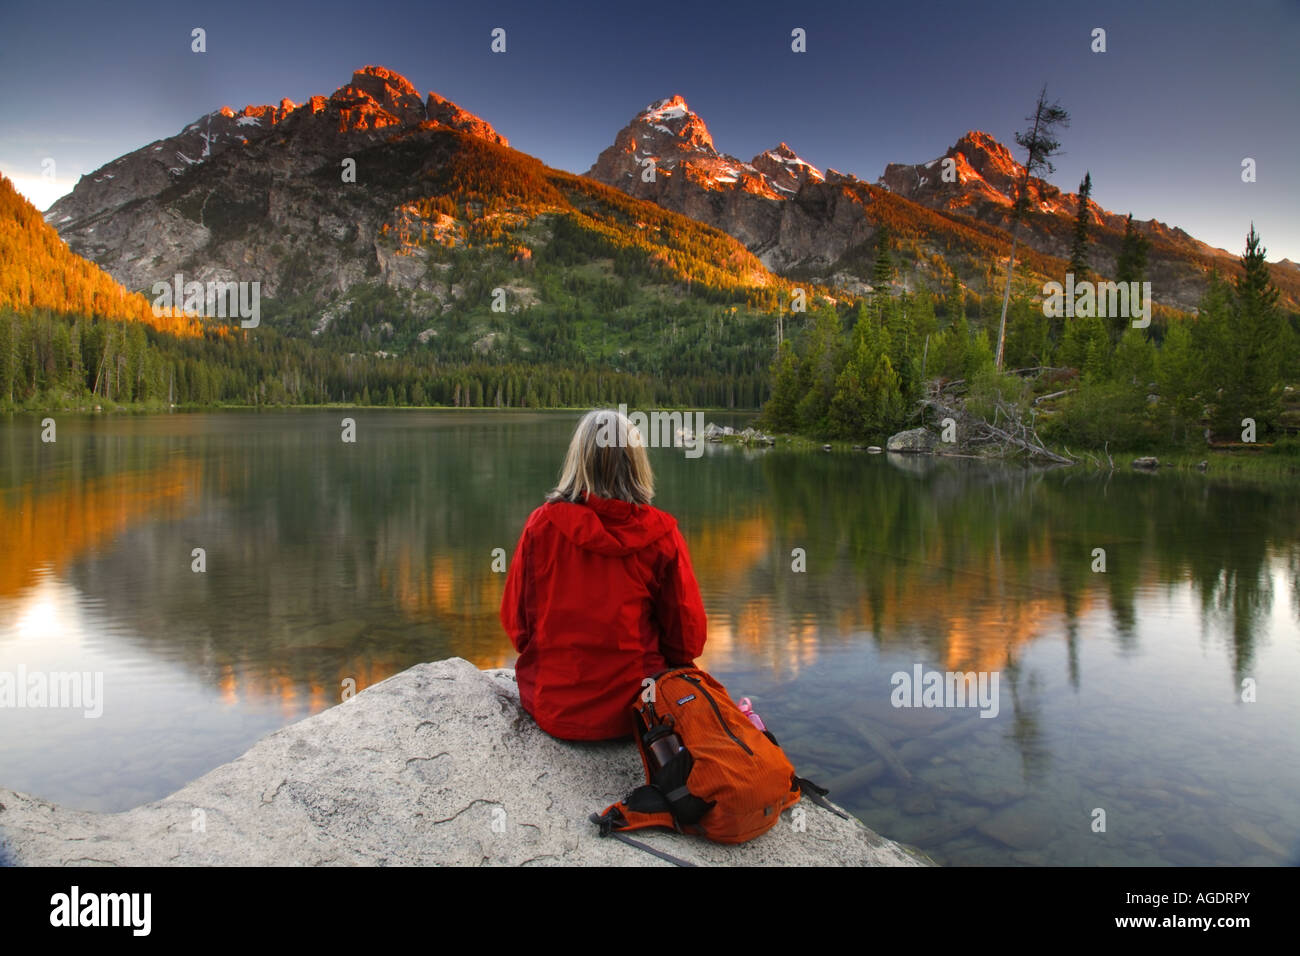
(435, 765)
(916, 440)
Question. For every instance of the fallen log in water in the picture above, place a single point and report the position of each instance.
(912, 751)
(921, 747)
(854, 780)
(862, 728)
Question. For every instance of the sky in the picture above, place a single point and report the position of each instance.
(1185, 91)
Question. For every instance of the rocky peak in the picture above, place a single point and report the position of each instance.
(376, 98)
(260, 117)
(665, 133)
(447, 113)
(669, 134)
(673, 117)
(674, 137)
(785, 170)
(990, 159)
(983, 168)
(382, 83)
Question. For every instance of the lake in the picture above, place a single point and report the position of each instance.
(1146, 713)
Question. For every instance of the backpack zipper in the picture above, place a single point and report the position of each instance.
(714, 704)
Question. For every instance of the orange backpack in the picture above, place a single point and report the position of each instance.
(729, 782)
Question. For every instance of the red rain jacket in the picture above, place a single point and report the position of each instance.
(599, 595)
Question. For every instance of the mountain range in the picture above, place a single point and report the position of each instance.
(262, 194)
(801, 221)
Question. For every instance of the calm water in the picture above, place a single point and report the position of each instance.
(1120, 691)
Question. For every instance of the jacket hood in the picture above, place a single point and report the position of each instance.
(607, 525)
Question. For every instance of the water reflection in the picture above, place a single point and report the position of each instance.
(328, 563)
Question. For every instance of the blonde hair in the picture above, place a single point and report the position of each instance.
(606, 458)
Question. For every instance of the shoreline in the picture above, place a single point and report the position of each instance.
(1262, 463)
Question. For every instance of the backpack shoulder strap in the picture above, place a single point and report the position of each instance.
(817, 795)
(600, 821)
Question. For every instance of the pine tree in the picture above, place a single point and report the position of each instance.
(1131, 265)
(950, 350)
(779, 412)
(903, 355)
(1079, 250)
(868, 397)
(1245, 366)
(1040, 143)
(8, 355)
(819, 369)
(76, 366)
(954, 303)
(1096, 364)
(1084, 336)
(926, 324)
(882, 271)
(888, 407)
(924, 320)
(979, 355)
(1027, 337)
(849, 408)
(1134, 360)
(1179, 375)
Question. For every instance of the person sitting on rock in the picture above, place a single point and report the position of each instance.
(600, 593)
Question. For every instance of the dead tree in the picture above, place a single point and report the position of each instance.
(1007, 428)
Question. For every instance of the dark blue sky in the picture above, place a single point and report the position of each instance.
(1163, 119)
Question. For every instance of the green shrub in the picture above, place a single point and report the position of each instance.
(1101, 412)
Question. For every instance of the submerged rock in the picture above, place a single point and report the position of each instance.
(437, 765)
(1022, 826)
